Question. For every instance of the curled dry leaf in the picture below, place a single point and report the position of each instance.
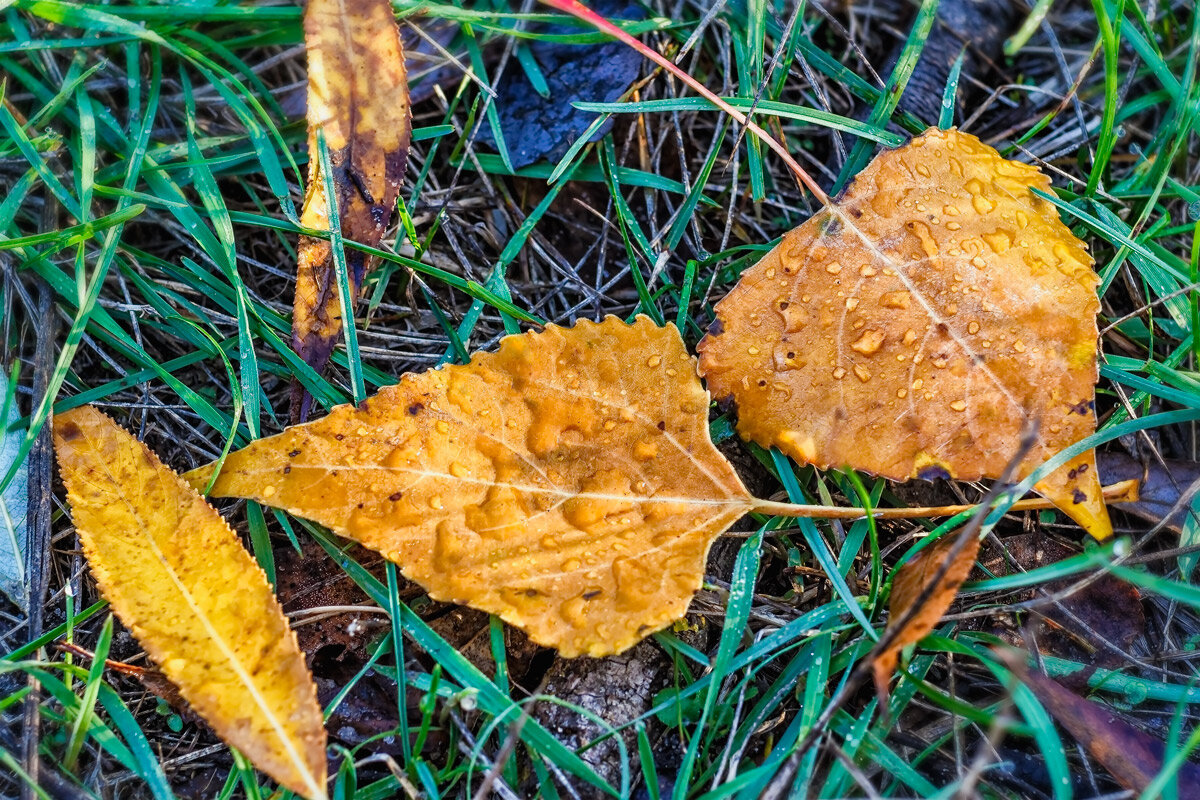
(182, 583)
(912, 329)
(909, 584)
(566, 482)
(358, 95)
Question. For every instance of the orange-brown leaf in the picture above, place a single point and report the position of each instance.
(566, 482)
(182, 583)
(909, 584)
(358, 95)
(1132, 756)
(914, 328)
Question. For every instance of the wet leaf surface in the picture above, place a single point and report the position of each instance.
(180, 580)
(357, 95)
(914, 328)
(566, 483)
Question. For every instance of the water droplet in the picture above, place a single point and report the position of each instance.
(752, 350)
(268, 491)
(862, 373)
(435, 502)
(833, 268)
(867, 271)
(442, 426)
(1019, 346)
(900, 299)
(851, 303)
(609, 424)
(653, 361)
(910, 336)
(571, 564)
(959, 405)
(973, 328)
(839, 373)
(459, 470)
(869, 342)
(950, 211)
(978, 262)
(902, 393)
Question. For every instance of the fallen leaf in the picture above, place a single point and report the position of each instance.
(1167, 489)
(357, 95)
(912, 329)
(908, 585)
(537, 127)
(566, 483)
(1132, 756)
(1094, 622)
(14, 501)
(180, 580)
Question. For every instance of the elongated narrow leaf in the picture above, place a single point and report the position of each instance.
(14, 501)
(358, 95)
(908, 586)
(566, 482)
(182, 583)
(914, 328)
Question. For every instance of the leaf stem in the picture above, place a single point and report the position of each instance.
(1123, 492)
(581, 11)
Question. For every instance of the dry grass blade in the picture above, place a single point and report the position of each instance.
(182, 583)
(358, 96)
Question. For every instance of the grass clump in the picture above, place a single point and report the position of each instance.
(151, 163)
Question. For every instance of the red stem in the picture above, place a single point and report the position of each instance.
(578, 9)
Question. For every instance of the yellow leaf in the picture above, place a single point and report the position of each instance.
(909, 583)
(912, 329)
(358, 95)
(566, 482)
(193, 597)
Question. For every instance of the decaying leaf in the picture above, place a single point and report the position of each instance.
(1132, 756)
(566, 482)
(14, 501)
(357, 95)
(182, 583)
(912, 329)
(909, 584)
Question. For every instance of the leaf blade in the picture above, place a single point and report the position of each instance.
(915, 328)
(358, 97)
(14, 501)
(566, 482)
(180, 580)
